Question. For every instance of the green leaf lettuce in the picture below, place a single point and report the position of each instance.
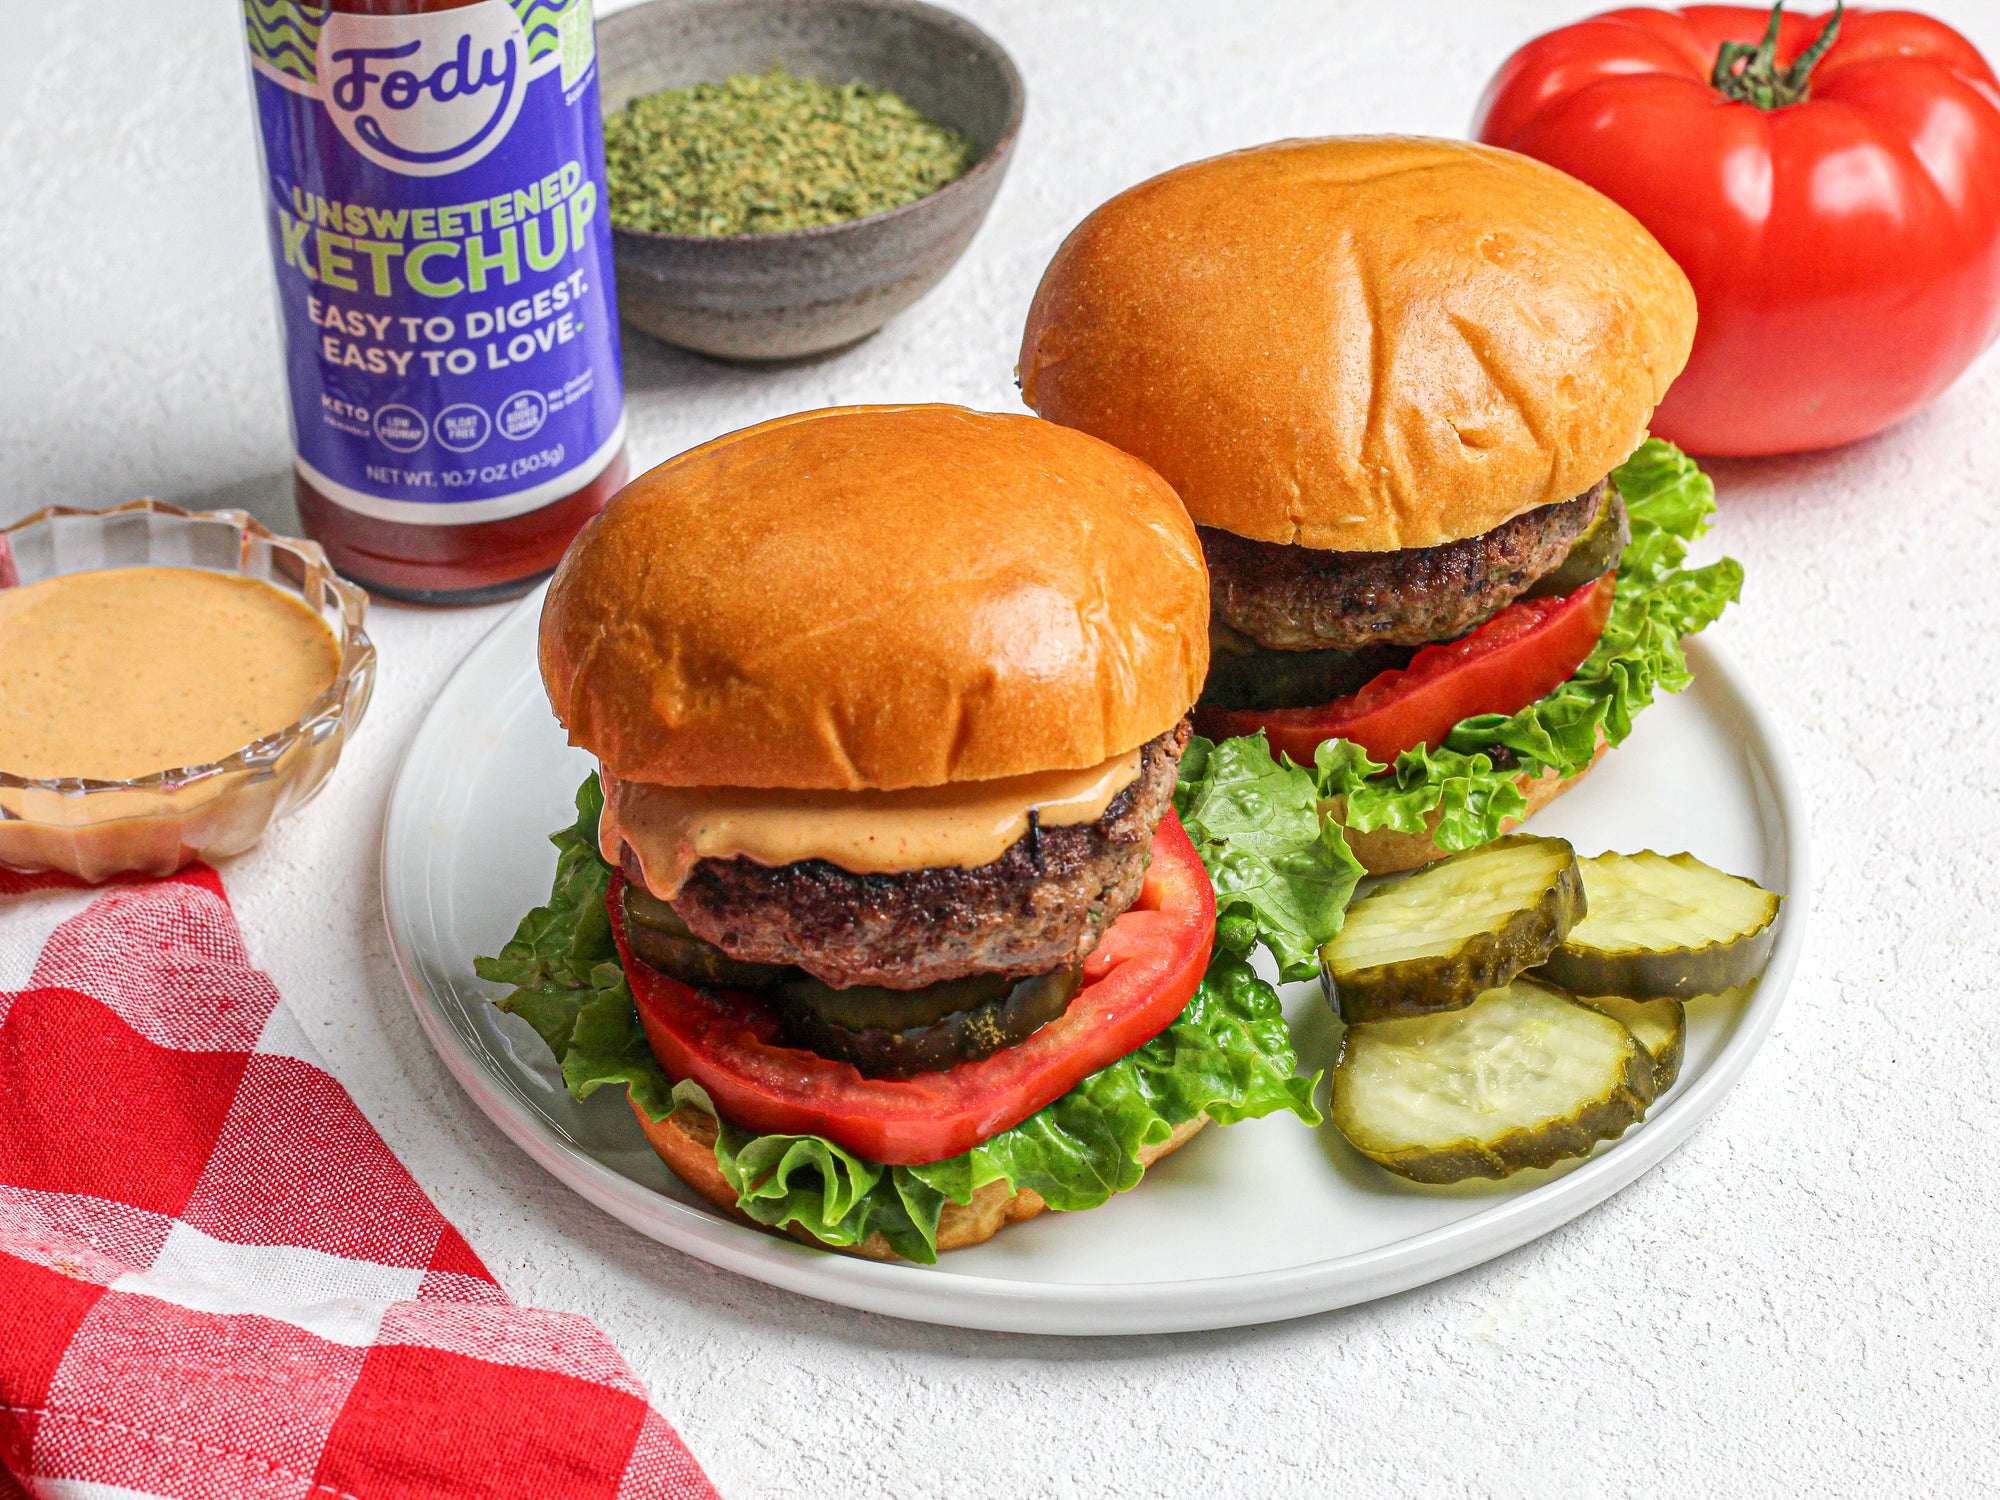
(1282, 873)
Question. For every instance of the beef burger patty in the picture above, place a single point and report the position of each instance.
(1291, 598)
(1041, 906)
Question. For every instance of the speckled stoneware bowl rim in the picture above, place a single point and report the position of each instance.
(340, 706)
(989, 160)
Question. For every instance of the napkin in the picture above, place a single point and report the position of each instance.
(215, 1278)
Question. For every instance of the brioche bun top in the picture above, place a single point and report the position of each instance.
(1364, 343)
(878, 597)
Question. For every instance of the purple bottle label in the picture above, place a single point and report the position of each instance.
(443, 251)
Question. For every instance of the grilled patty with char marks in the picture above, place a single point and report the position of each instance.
(1291, 598)
(1040, 906)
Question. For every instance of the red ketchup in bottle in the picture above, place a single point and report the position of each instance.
(435, 192)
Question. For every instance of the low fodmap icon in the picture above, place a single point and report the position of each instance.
(402, 428)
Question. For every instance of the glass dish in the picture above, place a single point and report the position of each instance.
(156, 824)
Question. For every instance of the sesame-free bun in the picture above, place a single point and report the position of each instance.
(1363, 343)
(878, 597)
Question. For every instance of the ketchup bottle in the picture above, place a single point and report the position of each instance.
(442, 240)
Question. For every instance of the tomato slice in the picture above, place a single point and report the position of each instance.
(1524, 652)
(1137, 980)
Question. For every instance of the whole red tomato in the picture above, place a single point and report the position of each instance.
(1837, 211)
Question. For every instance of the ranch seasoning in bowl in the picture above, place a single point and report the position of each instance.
(170, 682)
(787, 175)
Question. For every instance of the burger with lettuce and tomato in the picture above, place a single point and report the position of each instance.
(902, 902)
(1402, 387)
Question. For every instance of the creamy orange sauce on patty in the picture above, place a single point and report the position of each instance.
(963, 823)
(122, 672)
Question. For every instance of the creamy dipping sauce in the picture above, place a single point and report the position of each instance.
(122, 672)
(964, 824)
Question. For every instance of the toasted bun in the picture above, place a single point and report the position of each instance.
(1384, 851)
(886, 596)
(685, 1141)
(1364, 344)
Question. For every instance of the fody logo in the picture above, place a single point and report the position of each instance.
(423, 95)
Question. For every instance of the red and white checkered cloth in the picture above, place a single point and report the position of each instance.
(215, 1279)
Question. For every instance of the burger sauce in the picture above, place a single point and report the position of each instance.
(86, 691)
(962, 823)
(434, 177)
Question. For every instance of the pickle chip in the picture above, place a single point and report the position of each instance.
(1660, 1026)
(1442, 936)
(1595, 553)
(1664, 926)
(901, 1033)
(1525, 1076)
(658, 937)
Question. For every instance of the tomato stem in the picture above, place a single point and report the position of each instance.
(1748, 72)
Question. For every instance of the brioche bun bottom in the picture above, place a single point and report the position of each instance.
(685, 1141)
(1385, 851)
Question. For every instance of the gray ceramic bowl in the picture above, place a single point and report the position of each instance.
(802, 292)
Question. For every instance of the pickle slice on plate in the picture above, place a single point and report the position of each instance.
(1664, 925)
(1660, 1027)
(1523, 1077)
(1458, 927)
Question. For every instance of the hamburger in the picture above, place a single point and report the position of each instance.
(878, 903)
(1402, 387)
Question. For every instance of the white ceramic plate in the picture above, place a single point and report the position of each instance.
(1260, 1221)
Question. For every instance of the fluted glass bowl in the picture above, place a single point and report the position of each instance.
(158, 823)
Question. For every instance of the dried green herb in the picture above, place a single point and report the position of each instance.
(764, 152)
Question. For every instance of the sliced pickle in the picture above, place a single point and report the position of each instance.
(1243, 674)
(1457, 927)
(1011, 1012)
(1660, 1026)
(869, 1008)
(1523, 1077)
(1664, 925)
(1595, 553)
(659, 938)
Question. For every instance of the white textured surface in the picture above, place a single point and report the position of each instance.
(1805, 1299)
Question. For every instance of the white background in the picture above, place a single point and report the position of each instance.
(1806, 1298)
